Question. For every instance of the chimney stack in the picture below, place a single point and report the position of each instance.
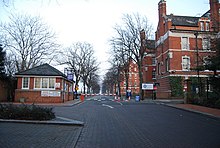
(214, 14)
(162, 9)
(162, 12)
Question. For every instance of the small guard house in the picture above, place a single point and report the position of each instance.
(43, 84)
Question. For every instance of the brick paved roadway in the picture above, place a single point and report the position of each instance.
(115, 124)
(111, 124)
(16, 135)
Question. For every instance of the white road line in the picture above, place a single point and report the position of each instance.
(120, 103)
(107, 106)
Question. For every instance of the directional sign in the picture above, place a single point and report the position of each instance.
(147, 86)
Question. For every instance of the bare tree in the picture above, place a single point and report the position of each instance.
(121, 56)
(90, 68)
(79, 57)
(93, 82)
(128, 36)
(110, 81)
(29, 40)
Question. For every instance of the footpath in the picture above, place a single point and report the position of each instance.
(211, 112)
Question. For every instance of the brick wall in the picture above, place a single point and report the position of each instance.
(32, 95)
(3, 91)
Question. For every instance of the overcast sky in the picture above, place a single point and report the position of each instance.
(93, 20)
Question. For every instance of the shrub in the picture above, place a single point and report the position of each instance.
(25, 112)
(176, 86)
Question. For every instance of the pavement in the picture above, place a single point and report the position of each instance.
(57, 121)
(179, 104)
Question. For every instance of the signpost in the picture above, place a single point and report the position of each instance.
(152, 87)
(147, 86)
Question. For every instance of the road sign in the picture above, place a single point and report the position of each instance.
(147, 86)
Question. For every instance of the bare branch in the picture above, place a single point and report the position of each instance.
(30, 40)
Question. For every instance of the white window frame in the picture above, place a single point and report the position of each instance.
(206, 60)
(167, 64)
(54, 81)
(183, 44)
(48, 83)
(158, 68)
(35, 83)
(202, 26)
(154, 74)
(23, 83)
(154, 61)
(135, 69)
(124, 83)
(206, 43)
(135, 83)
(185, 64)
(207, 26)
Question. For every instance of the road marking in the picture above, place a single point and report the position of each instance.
(107, 106)
(120, 103)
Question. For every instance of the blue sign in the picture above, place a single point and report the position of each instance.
(70, 76)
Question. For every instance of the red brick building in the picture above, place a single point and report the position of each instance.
(43, 84)
(3, 91)
(183, 43)
(149, 66)
(149, 71)
(133, 79)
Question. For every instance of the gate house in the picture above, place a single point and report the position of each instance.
(43, 84)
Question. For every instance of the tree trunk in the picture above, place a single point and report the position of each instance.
(141, 94)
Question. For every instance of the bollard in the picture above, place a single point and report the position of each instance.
(82, 96)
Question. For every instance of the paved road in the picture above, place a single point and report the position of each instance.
(131, 124)
(20, 135)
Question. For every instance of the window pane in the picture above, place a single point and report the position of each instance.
(185, 44)
(37, 83)
(44, 82)
(51, 82)
(207, 26)
(202, 26)
(25, 82)
(153, 74)
(153, 61)
(185, 63)
(206, 43)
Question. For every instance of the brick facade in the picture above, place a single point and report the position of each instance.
(60, 89)
(148, 69)
(133, 80)
(3, 91)
(182, 44)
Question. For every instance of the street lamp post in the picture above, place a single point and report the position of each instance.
(197, 62)
(70, 76)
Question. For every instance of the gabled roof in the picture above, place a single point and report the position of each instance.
(207, 14)
(42, 70)
(184, 20)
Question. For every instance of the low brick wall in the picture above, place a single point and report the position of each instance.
(35, 97)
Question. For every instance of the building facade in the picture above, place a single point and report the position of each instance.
(148, 70)
(183, 46)
(43, 84)
(133, 79)
(3, 90)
